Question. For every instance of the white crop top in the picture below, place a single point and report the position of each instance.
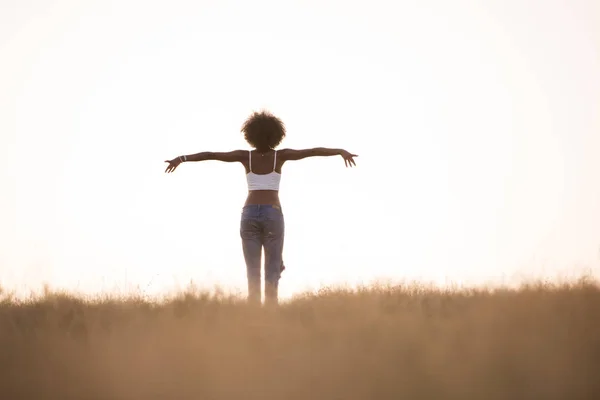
(268, 181)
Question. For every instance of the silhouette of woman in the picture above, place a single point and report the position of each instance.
(262, 222)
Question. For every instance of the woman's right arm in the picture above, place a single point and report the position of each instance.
(293, 155)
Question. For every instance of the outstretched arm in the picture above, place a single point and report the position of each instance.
(293, 155)
(230, 156)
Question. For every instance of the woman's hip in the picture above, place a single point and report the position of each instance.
(261, 219)
(263, 212)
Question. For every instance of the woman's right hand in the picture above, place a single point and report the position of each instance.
(348, 158)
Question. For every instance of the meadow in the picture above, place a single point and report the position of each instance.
(538, 341)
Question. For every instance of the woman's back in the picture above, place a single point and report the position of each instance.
(263, 175)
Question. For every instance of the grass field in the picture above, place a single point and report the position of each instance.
(540, 341)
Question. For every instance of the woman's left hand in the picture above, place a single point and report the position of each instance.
(174, 163)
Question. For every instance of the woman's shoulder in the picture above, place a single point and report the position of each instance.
(284, 152)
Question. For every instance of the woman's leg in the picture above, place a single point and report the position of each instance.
(273, 238)
(251, 234)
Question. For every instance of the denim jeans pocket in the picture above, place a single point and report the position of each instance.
(273, 214)
(250, 229)
(278, 210)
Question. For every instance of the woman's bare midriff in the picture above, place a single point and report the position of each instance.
(263, 197)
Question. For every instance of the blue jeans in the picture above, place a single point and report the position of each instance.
(262, 225)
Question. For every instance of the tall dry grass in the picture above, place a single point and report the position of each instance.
(538, 342)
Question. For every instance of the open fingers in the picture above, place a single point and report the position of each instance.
(170, 168)
(349, 161)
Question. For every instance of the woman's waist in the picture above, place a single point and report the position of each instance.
(263, 197)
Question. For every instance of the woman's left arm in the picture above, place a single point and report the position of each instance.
(229, 156)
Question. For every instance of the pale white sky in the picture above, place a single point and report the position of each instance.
(477, 124)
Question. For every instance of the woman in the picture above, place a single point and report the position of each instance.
(262, 222)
